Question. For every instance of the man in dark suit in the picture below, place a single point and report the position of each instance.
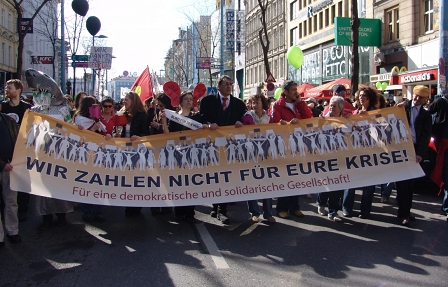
(420, 123)
(222, 110)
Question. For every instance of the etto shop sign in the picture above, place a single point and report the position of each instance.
(369, 32)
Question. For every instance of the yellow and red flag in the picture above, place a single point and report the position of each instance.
(143, 86)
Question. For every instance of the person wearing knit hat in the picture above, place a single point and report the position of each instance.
(420, 123)
(421, 91)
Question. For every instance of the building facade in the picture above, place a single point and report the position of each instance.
(42, 47)
(8, 43)
(409, 53)
(311, 28)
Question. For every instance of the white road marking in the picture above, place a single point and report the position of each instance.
(60, 266)
(249, 230)
(212, 248)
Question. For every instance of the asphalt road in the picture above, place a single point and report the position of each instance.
(160, 251)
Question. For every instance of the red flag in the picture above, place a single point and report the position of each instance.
(143, 86)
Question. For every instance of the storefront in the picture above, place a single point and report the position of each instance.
(328, 62)
(427, 77)
(399, 83)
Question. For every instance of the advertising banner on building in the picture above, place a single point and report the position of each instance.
(369, 32)
(56, 159)
(44, 60)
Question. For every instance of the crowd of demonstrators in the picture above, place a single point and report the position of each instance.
(331, 199)
(186, 110)
(420, 123)
(213, 112)
(222, 110)
(137, 125)
(289, 108)
(368, 98)
(162, 102)
(257, 115)
(439, 110)
(15, 108)
(82, 118)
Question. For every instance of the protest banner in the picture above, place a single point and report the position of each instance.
(55, 159)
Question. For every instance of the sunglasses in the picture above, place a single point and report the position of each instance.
(107, 106)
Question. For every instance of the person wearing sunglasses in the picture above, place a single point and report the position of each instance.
(107, 115)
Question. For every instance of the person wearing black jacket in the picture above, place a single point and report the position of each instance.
(439, 109)
(222, 110)
(8, 133)
(420, 122)
(15, 107)
(137, 126)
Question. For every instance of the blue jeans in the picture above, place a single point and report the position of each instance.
(386, 189)
(332, 198)
(348, 199)
(90, 210)
(445, 183)
(254, 209)
(288, 203)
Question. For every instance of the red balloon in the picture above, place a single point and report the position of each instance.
(198, 92)
(172, 89)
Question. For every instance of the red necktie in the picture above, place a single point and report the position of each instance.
(224, 103)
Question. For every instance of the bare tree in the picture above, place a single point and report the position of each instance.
(263, 34)
(354, 22)
(17, 4)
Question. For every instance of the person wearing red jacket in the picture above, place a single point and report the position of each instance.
(289, 108)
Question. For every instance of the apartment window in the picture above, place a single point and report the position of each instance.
(9, 22)
(10, 55)
(393, 25)
(428, 19)
(293, 37)
(304, 29)
(300, 31)
(340, 9)
(293, 10)
(274, 11)
(4, 54)
(3, 18)
(333, 14)
(310, 26)
(321, 20)
(315, 23)
(280, 74)
(282, 36)
(275, 37)
(327, 17)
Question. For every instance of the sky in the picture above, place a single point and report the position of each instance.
(141, 31)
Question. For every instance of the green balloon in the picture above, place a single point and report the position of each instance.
(384, 86)
(378, 85)
(277, 93)
(295, 56)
